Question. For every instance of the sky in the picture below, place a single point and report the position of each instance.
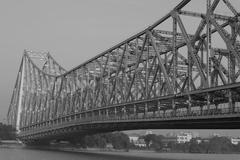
(73, 31)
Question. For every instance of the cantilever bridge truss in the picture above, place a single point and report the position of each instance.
(157, 78)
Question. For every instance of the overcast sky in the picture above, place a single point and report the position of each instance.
(71, 30)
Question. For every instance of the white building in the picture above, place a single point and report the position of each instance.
(235, 141)
(184, 137)
(148, 132)
(136, 140)
(216, 135)
(140, 143)
(133, 138)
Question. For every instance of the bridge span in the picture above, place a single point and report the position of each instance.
(156, 79)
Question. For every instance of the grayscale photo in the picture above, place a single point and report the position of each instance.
(120, 80)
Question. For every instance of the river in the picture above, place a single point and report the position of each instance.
(22, 153)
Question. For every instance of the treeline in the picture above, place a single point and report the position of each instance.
(7, 132)
(214, 145)
(211, 145)
(116, 140)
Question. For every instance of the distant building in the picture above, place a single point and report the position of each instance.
(136, 140)
(235, 141)
(216, 135)
(200, 140)
(109, 146)
(148, 132)
(133, 138)
(184, 137)
(206, 140)
(140, 143)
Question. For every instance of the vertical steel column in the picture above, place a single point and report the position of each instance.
(159, 107)
(108, 83)
(208, 27)
(19, 107)
(189, 105)
(99, 113)
(174, 107)
(124, 111)
(209, 42)
(231, 66)
(175, 56)
(232, 58)
(230, 101)
(201, 110)
(146, 109)
(115, 111)
(202, 61)
(146, 71)
(175, 63)
(107, 113)
(208, 102)
(134, 110)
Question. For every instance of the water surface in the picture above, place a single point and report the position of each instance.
(34, 154)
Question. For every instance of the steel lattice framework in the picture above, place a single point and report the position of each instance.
(161, 74)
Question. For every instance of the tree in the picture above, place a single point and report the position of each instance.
(237, 147)
(149, 138)
(153, 141)
(100, 141)
(195, 147)
(157, 144)
(120, 140)
(7, 132)
(220, 145)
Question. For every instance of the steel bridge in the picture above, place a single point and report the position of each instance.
(157, 78)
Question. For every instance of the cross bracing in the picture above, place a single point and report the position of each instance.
(170, 72)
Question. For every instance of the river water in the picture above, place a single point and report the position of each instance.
(34, 154)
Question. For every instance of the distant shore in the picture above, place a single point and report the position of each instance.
(10, 144)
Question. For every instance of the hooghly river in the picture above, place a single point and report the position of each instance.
(34, 154)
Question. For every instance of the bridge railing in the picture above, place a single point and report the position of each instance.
(72, 120)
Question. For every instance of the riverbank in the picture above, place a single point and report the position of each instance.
(151, 155)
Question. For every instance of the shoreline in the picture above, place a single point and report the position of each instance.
(131, 154)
